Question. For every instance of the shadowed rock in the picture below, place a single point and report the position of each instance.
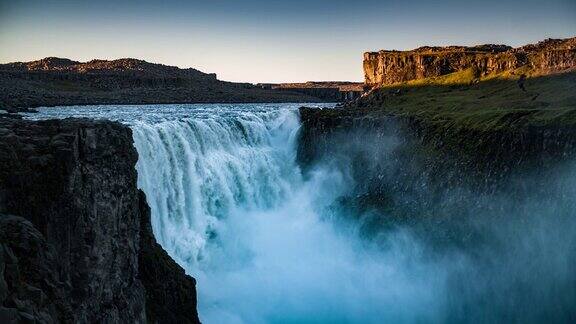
(81, 248)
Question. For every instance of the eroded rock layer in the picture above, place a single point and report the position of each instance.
(388, 67)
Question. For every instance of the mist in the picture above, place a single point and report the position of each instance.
(289, 264)
(490, 253)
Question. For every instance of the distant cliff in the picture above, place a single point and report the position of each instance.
(388, 67)
(330, 91)
(76, 244)
(57, 81)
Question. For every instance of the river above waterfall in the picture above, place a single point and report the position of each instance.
(269, 244)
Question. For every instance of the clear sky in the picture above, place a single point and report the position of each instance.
(268, 40)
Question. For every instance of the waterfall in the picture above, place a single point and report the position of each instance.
(198, 171)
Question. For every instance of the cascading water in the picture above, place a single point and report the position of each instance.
(198, 171)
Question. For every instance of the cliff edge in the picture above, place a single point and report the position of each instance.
(389, 67)
(76, 244)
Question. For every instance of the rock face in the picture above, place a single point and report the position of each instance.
(465, 190)
(400, 163)
(76, 244)
(476, 152)
(329, 91)
(57, 81)
(388, 67)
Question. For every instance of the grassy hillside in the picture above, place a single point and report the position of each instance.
(462, 99)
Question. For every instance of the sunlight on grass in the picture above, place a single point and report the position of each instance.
(463, 99)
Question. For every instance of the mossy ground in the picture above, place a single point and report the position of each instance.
(463, 99)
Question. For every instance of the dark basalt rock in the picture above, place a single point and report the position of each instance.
(30, 287)
(80, 248)
(402, 166)
(488, 156)
(170, 293)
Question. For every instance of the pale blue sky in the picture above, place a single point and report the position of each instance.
(268, 41)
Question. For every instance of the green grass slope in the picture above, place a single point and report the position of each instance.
(462, 99)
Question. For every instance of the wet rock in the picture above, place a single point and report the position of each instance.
(8, 315)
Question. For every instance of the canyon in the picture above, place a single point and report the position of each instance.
(491, 197)
(455, 170)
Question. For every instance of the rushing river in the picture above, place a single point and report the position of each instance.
(229, 203)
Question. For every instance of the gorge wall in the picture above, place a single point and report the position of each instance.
(487, 155)
(399, 163)
(498, 203)
(75, 234)
(388, 67)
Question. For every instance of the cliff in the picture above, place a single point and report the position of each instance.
(328, 91)
(389, 67)
(415, 140)
(482, 156)
(58, 81)
(449, 131)
(75, 234)
(478, 171)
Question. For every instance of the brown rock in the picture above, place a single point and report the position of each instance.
(388, 67)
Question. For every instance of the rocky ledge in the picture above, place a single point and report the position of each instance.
(389, 67)
(76, 244)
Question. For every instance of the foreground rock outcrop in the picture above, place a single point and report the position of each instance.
(76, 245)
(388, 67)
